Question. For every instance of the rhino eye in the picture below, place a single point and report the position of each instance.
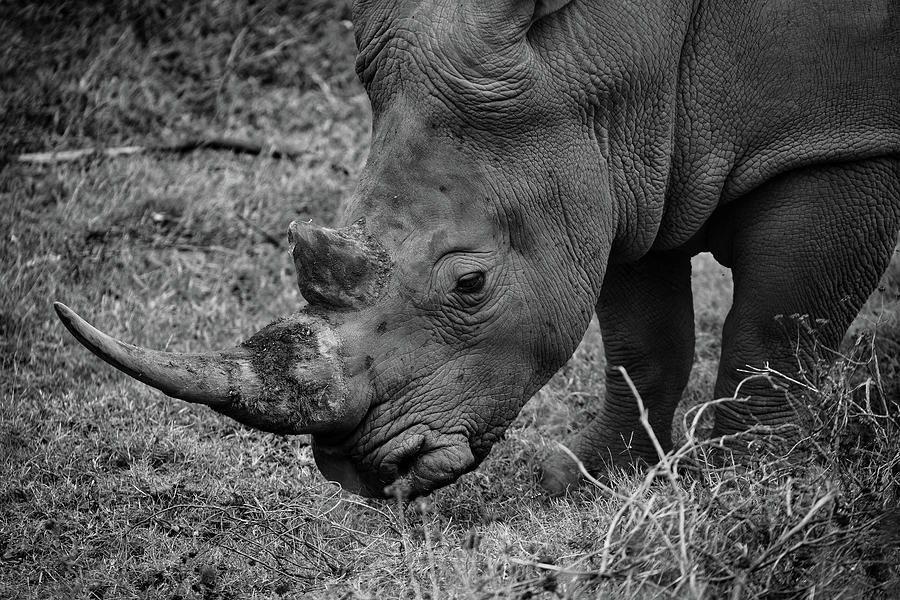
(470, 283)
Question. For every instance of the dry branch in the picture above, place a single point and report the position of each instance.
(236, 145)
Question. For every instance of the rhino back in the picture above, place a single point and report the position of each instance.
(769, 87)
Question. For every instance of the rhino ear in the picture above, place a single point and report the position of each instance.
(510, 20)
(542, 8)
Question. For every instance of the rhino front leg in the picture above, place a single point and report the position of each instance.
(806, 250)
(647, 322)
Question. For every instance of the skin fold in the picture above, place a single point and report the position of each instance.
(535, 162)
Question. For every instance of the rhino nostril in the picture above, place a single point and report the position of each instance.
(405, 464)
(402, 458)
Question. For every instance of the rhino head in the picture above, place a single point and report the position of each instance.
(465, 270)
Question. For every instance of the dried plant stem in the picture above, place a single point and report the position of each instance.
(644, 416)
(236, 145)
(593, 480)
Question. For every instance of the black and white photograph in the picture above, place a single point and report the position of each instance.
(450, 299)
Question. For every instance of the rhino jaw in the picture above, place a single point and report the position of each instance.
(286, 378)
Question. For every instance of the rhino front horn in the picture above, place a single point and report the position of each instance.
(287, 378)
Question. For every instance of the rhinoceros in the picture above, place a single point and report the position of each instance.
(534, 162)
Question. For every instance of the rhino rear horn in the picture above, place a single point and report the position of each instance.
(287, 378)
(337, 268)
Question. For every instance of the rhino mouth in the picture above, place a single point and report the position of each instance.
(417, 465)
(430, 469)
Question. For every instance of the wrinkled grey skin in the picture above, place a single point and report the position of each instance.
(577, 153)
(580, 160)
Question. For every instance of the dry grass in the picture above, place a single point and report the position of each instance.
(109, 490)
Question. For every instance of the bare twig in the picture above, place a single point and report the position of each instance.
(236, 145)
(46, 158)
(432, 564)
(786, 535)
(768, 372)
(558, 569)
(644, 417)
(593, 480)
